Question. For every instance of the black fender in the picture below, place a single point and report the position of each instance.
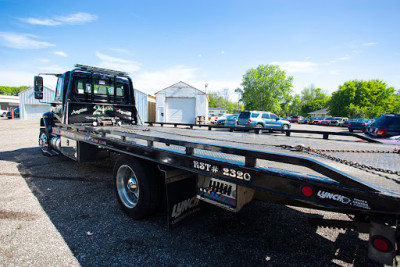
(47, 122)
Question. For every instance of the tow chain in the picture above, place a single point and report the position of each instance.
(320, 152)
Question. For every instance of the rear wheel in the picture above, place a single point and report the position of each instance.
(259, 126)
(285, 127)
(351, 130)
(137, 186)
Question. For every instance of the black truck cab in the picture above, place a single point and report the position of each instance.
(91, 95)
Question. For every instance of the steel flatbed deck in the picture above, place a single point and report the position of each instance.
(264, 162)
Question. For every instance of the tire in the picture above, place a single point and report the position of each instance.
(285, 127)
(351, 130)
(137, 186)
(43, 142)
(259, 126)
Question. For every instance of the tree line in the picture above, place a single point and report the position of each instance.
(268, 88)
(12, 90)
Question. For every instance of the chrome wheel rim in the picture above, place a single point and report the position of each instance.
(259, 126)
(127, 186)
(43, 143)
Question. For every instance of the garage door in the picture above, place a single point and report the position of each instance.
(180, 110)
(35, 111)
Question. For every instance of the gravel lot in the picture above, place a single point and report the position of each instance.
(54, 211)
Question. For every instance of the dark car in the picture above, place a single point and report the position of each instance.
(294, 119)
(386, 125)
(16, 113)
(359, 125)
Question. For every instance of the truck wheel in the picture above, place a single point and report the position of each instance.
(285, 127)
(137, 187)
(43, 142)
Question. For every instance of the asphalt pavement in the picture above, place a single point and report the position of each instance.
(57, 212)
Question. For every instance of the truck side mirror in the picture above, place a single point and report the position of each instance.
(38, 87)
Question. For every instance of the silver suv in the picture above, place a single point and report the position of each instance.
(262, 119)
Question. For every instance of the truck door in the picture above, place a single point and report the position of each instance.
(57, 104)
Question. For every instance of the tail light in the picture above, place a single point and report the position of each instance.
(364, 124)
(381, 243)
(249, 120)
(381, 132)
(349, 123)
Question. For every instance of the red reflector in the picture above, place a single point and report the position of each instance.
(307, 191)
(381, 243)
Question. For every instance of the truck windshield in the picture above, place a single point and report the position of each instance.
(103, 89)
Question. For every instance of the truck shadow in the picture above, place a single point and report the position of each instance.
(80, 201)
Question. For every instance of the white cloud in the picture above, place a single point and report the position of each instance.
(22, 41)
(297, 66)
(73, 19)
(44, 22)
(345, 58)
(120, 50)
(334, 72)
(370, 44)
(60, 53)
(222, 52)
(117, 63)
(158, 80)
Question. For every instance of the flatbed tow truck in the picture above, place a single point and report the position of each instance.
(94, 116)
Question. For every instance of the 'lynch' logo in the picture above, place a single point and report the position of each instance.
(183, 206)
(336, 197)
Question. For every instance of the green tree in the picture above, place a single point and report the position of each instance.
(216, 100)
(313, 99)
(12, 90)
(359, 98)
(295, 105)
(266, 88)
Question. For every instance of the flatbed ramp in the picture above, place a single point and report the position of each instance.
(379, 159)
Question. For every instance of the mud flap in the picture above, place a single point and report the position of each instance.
(181, 192)
(383, 229)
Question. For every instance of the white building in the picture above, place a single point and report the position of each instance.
(180, 103)
(141, 105)
(31, 108)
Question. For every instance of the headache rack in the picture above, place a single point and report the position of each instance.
(101, 70)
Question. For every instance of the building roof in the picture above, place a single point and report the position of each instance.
(180, 85)
(319, 112)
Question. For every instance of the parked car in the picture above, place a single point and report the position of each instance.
(326, 121)
(3, 112)
(386, 125)
(213, 118)
(231, 120)
(310, 120)
(262, 119)
(303, 121)
(16, 113)
(337, 121)
(317, 121)
(359, 125)
(221, 119)
(295, 119)
(346, 123)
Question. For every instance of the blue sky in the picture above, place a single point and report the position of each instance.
(323, 43)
